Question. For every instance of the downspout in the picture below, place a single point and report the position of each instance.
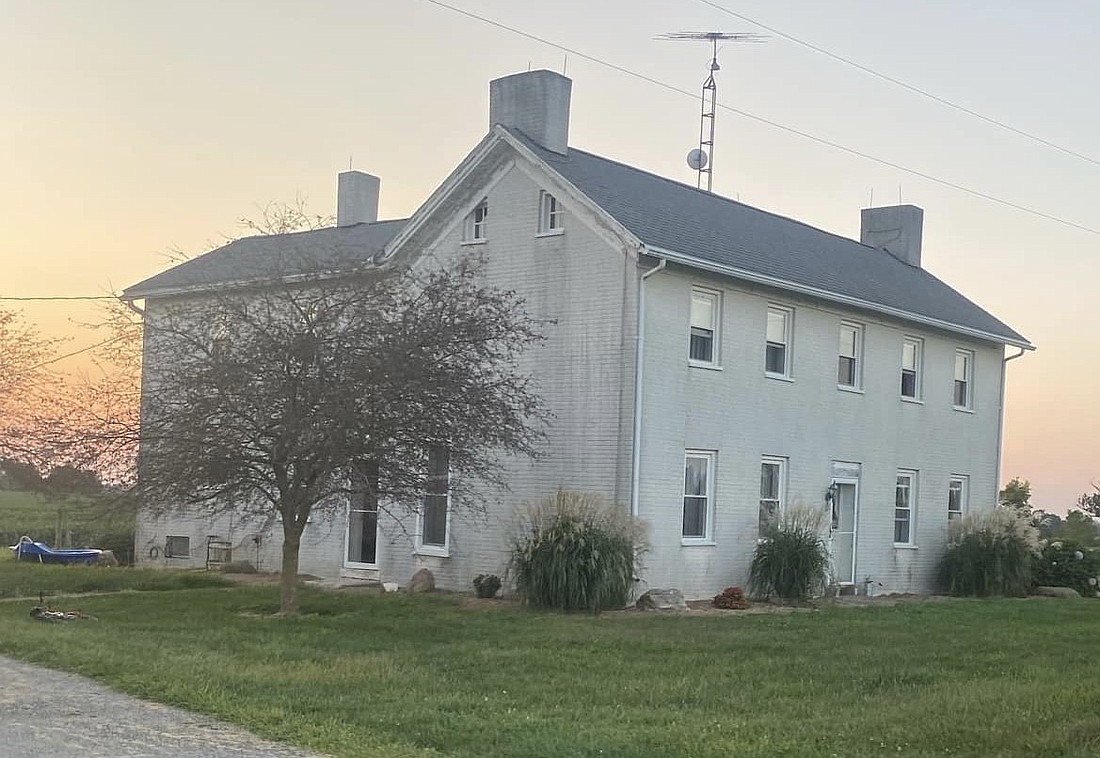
(639, 358)
(130, 304)
(1001, 424)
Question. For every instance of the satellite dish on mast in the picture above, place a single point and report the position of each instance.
(696, 159)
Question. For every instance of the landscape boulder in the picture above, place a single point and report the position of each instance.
(422, 581)
(662, 600)
(1057, 592)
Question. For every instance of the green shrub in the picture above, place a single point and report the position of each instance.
(1063, 563)
(990, 553)
(576, 551)
(791, 561)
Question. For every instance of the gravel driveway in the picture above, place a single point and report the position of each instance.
(44, 712)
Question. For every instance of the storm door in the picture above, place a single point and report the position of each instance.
(842, 529)
(362, 533)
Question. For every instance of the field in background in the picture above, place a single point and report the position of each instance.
(77, 521)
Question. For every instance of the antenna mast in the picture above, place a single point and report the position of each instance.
(702, 158)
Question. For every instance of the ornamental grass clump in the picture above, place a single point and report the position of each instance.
(792, 560)
(576, 551)
(990, 553)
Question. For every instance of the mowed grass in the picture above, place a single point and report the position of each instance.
(409, 675)
(32, 580)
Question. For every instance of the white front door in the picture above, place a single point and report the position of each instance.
(842, 530)
(362, 535)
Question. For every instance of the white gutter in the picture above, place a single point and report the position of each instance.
(771, 281)
(639, 358)
(1001, 423)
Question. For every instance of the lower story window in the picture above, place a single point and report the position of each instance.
(904, 499)
(771, 491)
(698, 494)
(956, 498)
(177, 547)
(433, 515)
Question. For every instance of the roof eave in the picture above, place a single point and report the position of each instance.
(835, 297)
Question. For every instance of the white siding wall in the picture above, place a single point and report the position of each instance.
(744, 415)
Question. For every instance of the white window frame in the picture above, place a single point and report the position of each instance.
(550, 215)
(788, 340)
(857, 358)
(715, 298)
(918, 357)
(431, 548)
(963, 482)
(707, 538)
(968, 380)
(476, 224)
(780, 498)
(912, 493)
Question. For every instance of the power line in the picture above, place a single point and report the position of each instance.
(774, 124)
(903, 84)
(56, 297)
(73, 354)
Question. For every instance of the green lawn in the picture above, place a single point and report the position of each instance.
(398, 675)
(28, 579)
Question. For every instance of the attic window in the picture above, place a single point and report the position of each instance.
(474, 229)
(550, 216)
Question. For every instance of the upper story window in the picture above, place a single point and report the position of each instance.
(550, 214)
(910, 368)
(772, 485)
(850, 356)
(474, 230)
(698, 495)
(956, 497)
(905, 498)
(433, 514)
(706, 309)
(777, 353)
(964, 367)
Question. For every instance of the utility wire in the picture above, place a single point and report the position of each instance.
(74, 353)
(774, 124)
(57, 297)
(902, 84)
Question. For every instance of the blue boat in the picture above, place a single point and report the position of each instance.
(29, 550)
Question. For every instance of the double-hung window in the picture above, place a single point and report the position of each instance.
(176, 546)
(550, 216)
(698, 495)
(956, 497)
(777, 352)
(706, 308)
(849, 356)
(905, 499)
(910, 368)
(964, 367)
(433, 514)
(475, 227)
(772, 486)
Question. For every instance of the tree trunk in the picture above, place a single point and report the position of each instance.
(288, 581)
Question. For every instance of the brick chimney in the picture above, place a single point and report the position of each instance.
(357, 198)
(895, 228)
(535, 103)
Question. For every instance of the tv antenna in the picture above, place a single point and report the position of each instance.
(701, 159)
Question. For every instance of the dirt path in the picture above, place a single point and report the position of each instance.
(44, 712)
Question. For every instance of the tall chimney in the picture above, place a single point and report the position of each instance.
(895, 228)
(535, 103)
(357, 198)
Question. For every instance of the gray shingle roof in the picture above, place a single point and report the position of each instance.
(256, 258)
(677, 217)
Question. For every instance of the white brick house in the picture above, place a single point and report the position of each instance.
(709, 361)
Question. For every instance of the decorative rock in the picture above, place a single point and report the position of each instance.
(422, 581)
(389, 586)
(1057, 592)
(662, 600)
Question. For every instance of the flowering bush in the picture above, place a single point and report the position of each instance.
(990, 553)
(731, 598)
(1066, 564)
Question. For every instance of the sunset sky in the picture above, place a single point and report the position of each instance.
(129, 128)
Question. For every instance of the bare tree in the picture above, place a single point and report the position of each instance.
(25, 384)
(282, 400)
